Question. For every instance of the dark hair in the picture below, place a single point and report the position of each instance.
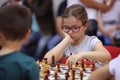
(15, 20)
(76, 11)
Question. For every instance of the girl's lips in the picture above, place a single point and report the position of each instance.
(72, 36)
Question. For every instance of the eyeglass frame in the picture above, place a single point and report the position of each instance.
(71, 28)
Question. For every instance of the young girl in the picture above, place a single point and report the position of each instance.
(75, 42)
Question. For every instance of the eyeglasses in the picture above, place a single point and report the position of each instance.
(73, 28)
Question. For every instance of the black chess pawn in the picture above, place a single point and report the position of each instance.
(58, 67)
(93, 66)
(67, 76)
(83, 65)
(45, 60)
(81, 75)
(47, 75)
(73, 74)
(53, 61)
(56, 75)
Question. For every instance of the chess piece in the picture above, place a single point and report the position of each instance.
(47, 75)
(73, 74)
(83, 64)
(58, 67)
(45, 60)
(93, 66)
(81, 75)
(53, 61)
(56, 75)
(67, 76)
(44, 68)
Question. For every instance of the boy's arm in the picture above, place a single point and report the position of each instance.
(101, 73)
(97, 5)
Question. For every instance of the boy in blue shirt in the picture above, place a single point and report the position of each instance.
(15, 21)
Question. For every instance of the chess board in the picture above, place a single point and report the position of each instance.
(63, 72)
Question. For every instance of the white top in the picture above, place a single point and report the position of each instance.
(114, 67)
(92, 13)
(86, 45)
(113, 15)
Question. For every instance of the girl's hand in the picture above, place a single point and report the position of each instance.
(72, 60)
(66, 35)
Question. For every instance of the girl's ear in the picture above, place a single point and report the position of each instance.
(87, 25)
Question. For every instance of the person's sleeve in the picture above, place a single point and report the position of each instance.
(113, 65)
(93, 40)
(33, 72)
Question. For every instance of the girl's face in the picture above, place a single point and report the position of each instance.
(74, 28)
